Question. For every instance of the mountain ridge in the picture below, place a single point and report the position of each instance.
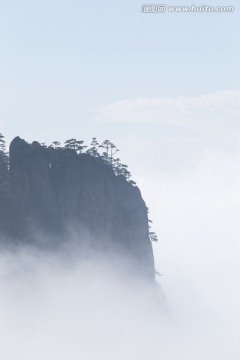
(62, 194)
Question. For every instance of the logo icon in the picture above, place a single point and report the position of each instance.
(153, 8)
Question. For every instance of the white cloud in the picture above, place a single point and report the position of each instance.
(216, 111)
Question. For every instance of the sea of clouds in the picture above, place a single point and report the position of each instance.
(53, 306)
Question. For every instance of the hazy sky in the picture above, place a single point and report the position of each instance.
(165, 89)
(62, 61)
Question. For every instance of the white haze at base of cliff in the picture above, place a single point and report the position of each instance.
(55, 309)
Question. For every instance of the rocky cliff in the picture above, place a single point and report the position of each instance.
(56, 195)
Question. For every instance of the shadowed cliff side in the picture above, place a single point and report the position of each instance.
(64, 195)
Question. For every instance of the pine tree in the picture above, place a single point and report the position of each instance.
(4, 161)
(2, 143)
(153, 236)
(93, 150)
(71, 144)
(113, 151)
(80, 147)
(117, 166)
(56, 144)
(105, 145)
(110, 151)
(76, 145)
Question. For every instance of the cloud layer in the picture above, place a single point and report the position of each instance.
(216, 110)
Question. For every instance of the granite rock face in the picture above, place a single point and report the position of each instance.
(63, 195)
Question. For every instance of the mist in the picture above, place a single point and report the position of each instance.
(195, 209)
(54, 306)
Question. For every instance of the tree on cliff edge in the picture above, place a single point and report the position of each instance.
(93, 150)
(56, 144)
(109, 151)
(76, 145)
(4, 174)
(2, 143)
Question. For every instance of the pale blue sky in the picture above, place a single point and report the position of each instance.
(62, 60)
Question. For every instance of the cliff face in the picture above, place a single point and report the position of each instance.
(65, 195)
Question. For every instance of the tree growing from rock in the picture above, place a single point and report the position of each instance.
(106, 145)
(153, 236)
(76, 145)
(110, 151)
(4, 161)
(71, 144)
(80, 146)
(56, 144)
(2, 143)
(93, 150)
(120, 169)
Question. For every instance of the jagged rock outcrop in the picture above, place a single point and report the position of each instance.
(64, 195)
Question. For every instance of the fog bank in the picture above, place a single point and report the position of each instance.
(56, 307)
